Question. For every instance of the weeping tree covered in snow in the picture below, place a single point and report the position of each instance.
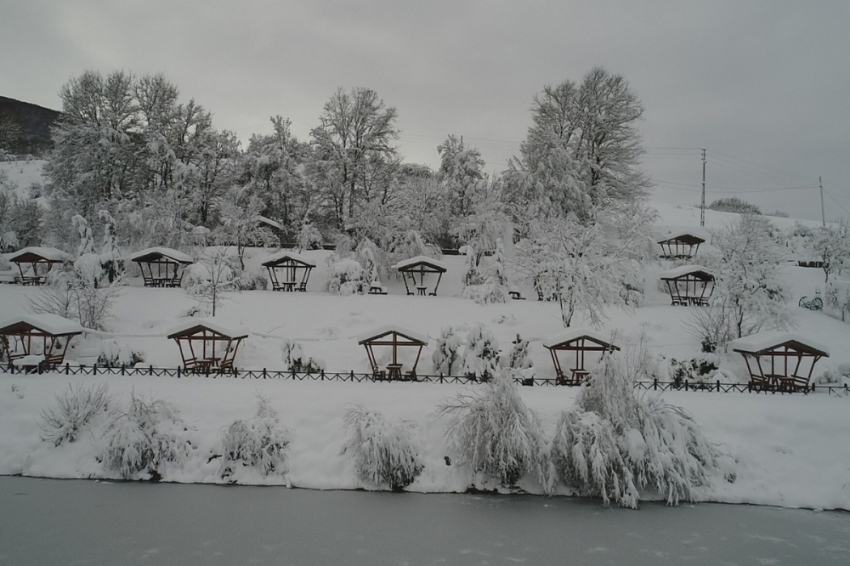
(492, 433)
(309, 237)
(614, 444)
(471, 275)
(446, 357)
(481, 356)
(110, 250)
(385, 451)
(295, 360)
(258, 443)
(831, 245)
(750, 292)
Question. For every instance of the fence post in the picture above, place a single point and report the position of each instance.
(441, 377)
(67, 368)
(264, 373)
(323, 375)
(235, 372)
(655, 384)
(686, 385)
(150, 369)
(352, 376)
(718, 386)
(178, 372)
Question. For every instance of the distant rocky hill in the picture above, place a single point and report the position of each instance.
(25, 127)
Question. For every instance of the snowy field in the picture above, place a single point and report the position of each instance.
(791, 450)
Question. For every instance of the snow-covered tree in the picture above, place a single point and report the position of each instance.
(110, 250)
(295, 360)
(461, 174)
(385, 451)
(259, 443)
(481, 355)
(347, 277)
(240, 222)
(309, 237)
(471, 275)
(614, 443)
(211, 278)
(446, 356)
(491, 432)
(750, 288)
(518, 358)
(494, 289)
(581, 266)
(831, 245)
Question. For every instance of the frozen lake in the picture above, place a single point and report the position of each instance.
(60, 522)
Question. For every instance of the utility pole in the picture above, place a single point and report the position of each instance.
(822, 213)
(702, 204)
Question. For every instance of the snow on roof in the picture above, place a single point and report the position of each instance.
(50, 323)
(169, 253)
(388, 328)
(756, 343)
(421, 259)
(575, 333)
(690, 232)
(683, 270)
(288, 254)
(226, 330)
(50, 254)
(270, 222)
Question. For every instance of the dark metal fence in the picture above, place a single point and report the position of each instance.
(351, 376)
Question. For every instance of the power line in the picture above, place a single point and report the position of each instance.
(836, 201)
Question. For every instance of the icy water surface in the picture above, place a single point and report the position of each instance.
(56, 522)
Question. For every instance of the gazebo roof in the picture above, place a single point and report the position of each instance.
(577, 333)
(39, 253)
(421, 260)
(150, 254)
(684, 270)
(411, 335)
(764, 342)
(191, 326)
(686, 236)
(47, 323)
(287, 255)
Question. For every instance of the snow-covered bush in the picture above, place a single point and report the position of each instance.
(494, 288)
(614, 445)
(481, 356)
(294, 359)
(309, 237)
(114, 354)
(713, 326)
(209, 279)
(384, 451)
(147, 438)
(471, 276)
(251, 281)
(446, 357)
(491, 432)
(518, 356)
(347, 277)
(258, 443)
(71, 295)
(695, 370)
(73, 410)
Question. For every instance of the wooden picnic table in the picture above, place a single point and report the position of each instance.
(394, 371)
(421, 289)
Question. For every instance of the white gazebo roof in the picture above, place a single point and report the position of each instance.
(229, 331)
(683, 270)
(674, 234)
(574, 334)
(388, 328)
(50, 254)
(288, 254)
(763, 341)
(169, 253)
(50, 323)
(421, 259)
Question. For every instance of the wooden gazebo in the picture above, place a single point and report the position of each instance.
(35, 262)
(680, 245)
(779, 361)
(689, 285)
(207, 344)
(289, 271)
(162, 267)
(394, 337)
(38, 340)
(580, 341)
(421, 265)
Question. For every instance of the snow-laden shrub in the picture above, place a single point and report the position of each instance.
(838, 297)
(384, 451)
(258, 443)
(114, 354)
(471, 275)
(713, 326)
(147, 438)
(695, 370)
(518, 356)
(294, 359)
(347, 277)
(309, 237)
(491, 432)
(494, 288)
(614, 445)
(251, 281)
(481, 356)
(72, 412)
(446, 357)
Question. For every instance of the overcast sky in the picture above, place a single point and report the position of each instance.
(763, 85)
